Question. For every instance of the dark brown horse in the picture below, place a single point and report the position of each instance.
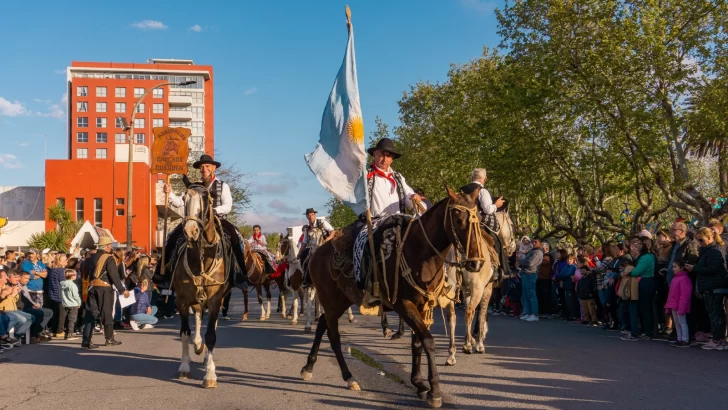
(259, 279)
(200, 278)
(452, 221)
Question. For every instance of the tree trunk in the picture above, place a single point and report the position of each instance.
(722, 169)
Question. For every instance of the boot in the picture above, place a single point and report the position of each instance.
(240, 275)
(89, 345)
(109, 334)
(112, 342)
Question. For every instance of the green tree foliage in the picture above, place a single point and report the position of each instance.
(58, 239)
(340, 215)
(273, 239)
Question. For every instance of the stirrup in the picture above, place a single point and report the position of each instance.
(370, 306)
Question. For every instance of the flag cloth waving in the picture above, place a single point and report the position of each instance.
(339, 158)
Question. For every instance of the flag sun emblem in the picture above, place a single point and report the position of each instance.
(355, 130)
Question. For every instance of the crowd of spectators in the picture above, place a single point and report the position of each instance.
(669, 285)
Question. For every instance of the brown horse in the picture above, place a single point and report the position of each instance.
(452, 221)
(259, 280)
(200, 278)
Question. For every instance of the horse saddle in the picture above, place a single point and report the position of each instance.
(385, 240)
(262, 258)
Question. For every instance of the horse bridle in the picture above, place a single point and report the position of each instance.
(473, 223)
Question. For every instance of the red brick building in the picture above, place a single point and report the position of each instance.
(92, 181)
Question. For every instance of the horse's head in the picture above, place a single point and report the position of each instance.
(462, 225)
(199, 217)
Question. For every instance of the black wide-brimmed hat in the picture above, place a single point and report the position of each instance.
(206, 159)
(385, 144)
(309, 211)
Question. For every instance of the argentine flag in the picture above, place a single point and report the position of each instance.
(339, 160)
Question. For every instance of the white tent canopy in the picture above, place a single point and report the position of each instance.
(88, 236)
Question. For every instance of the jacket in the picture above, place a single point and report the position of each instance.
(710, 271)
(681, 289)
(54, 279)
(586, 287)
(645, 266)
(531, 263)
(69, 294)
(109, 273)
(687, 251)
(565, 277)
(544, 272)
(142, 302)
(10, 303)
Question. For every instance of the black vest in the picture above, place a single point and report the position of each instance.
(215, 189)
(400, 188)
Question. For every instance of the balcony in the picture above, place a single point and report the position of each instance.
(141, 153)
(180, 115)
(179, 100)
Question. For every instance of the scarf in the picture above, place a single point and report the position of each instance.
(378, 172)
(256, 237)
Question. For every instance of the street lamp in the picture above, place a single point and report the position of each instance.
(129, 126)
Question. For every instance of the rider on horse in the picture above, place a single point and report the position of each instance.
(488, 209)
(389, 194)
(259, 243)
(315, 233)
(222, 202)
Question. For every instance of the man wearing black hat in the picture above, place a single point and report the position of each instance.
(222, 202)
(315, 233)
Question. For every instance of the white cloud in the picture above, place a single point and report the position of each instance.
(61, 71)
(273, 223)
(12, 109)
(23, 144)
(10, 161)
(280, 206)
(149, 25)
(38, 100)
(64, 98)
(55, 112)
(481, 6)
(250, 91)
(196, 28)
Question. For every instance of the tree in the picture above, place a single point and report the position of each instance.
(58, 239)
(272, 239)
(340, 215)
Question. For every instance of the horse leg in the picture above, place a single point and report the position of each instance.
(421, 340)
(245, 302)
(350, 315)
(282, 302)
(210, 340)
(294, 310)
(199, 347)
(400, 330)
(307, 370)
(259, 292)
(473, 301)
(335, 339)
(483, 319)
(268, 296)
(385, 326)
(451, 322)
(308, 302)
(184, 333)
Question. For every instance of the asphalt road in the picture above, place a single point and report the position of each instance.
(545, 365)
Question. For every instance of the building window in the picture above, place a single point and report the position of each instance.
(120, 212)
(158, 93)
(139, 138)
(82, 137)
(82, 106)
(138, 92)
(198, 113)
(82, 153)
(120, 107)
(101, 91)
(118, 123)
(82, 122)
(119, 201)
(158, 122)
(102, 138)
(120, 138)
(100, 153)
(185, 124)
(98, 213)
(82, 91)
(79, 209)
(158, 108)
(140, 108)
(100, 122)
(197, 98)
(197, 128)
(61, 202)
(120, 92)
(138, 122)
(100, 107)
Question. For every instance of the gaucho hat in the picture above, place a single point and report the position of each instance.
(206, 159)
(385, 144)
(310, 211)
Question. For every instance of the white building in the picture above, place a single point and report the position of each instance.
(24, 207)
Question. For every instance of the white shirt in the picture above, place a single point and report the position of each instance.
(384, 200)
(226, 201)
(486, 202)
(327, 227)
(260, 245)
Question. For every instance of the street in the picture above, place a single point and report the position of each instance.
(546, 365)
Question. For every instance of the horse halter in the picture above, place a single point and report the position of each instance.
(473, 223)
(200, 221)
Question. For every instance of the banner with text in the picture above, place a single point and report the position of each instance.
(170, 150)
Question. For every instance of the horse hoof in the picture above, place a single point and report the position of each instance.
(289, 317)
(307, 330)
(397, 336)
(183, 375)
(209, 384)
(451, 361)
(480, 350)
(306, 376)
(467, 350)
(422, 394)
(354, 386)
(387, 334)
(434, 402)
(245, 317)
(267, 316)
(200, 350)
(262, 319)
(352, 320)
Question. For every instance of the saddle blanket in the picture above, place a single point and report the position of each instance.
(384, 237)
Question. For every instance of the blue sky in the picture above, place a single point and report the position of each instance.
(274, 64)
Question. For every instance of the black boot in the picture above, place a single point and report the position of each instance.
(109, 334)
(88, 329)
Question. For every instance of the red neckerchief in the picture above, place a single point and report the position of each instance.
(256, 237)
(378, 172)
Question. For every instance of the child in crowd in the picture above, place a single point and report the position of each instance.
(71, 302)
(569, 304)
(678, 303)
(513, 291)
(586, 289)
